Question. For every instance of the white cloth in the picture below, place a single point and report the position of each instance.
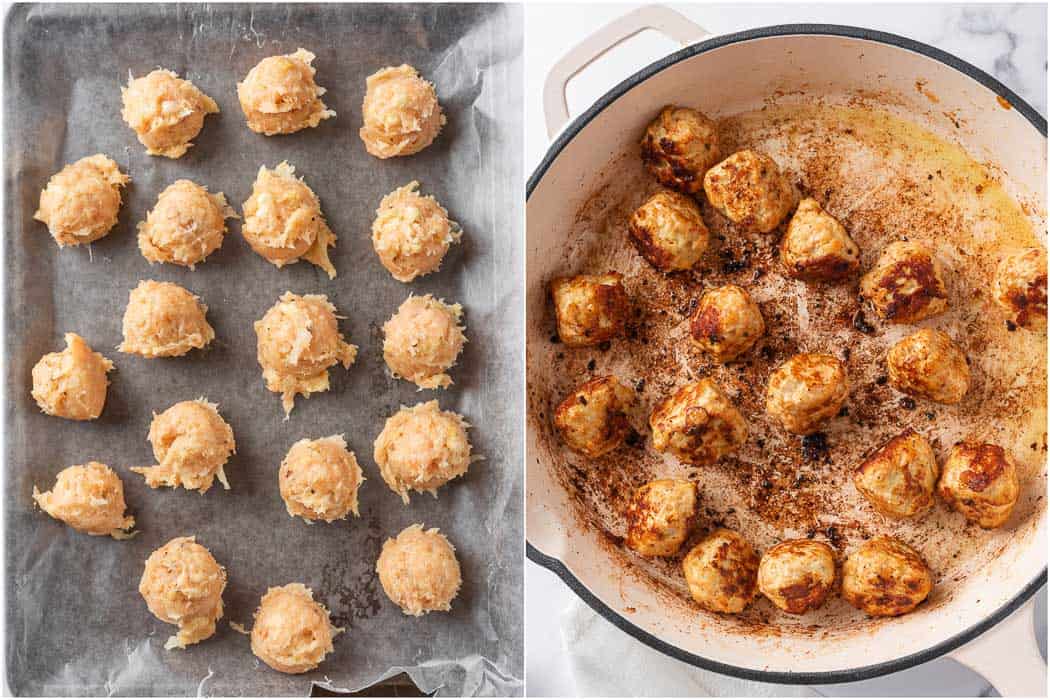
(606, 662)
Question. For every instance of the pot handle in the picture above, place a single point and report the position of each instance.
(663, 19)
(1008, 656)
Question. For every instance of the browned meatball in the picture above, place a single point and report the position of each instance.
(980, 481)
(806, 391)
(797, 575)
(679, 146)
(669, 232)
(816, 246)
(660, 515)
(722, 572)
(885, 577)
(927, 364)
(1020, 288)
(749, 190)
(593, 418)
(590, 308)
(898, 479)
(907, 284)
(697, 424)
(727, 322)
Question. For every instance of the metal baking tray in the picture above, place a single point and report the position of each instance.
(75, 623)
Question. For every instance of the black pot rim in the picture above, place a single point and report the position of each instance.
(558, 567)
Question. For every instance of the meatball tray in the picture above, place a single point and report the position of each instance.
(75, 621)
(896, 142)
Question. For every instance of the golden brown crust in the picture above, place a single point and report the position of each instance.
(660, 516)
(927, 364)
(590, 309)
(697, 424)
(816, 247)
(898, 479)
(797, 575)
(722, 572)
(980, 481)
(669, 232)
(679, 146)
(726, 323)
(749, 190)
(593, 419)
(907, 284)
(1020, 287)
(885, 577)
(806, 391)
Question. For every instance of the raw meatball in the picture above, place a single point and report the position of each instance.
(907, 284)
(292, 632)
(816, 246)
(885, 577)
(590, 309)
(592, 419)
(798, 575)
(669, 232)
(659, 517)
(89, 498)
(698, 424)
(165, 111)
(679, 146)
(749, 190)
(279, 95)
(81, 202)
(722, 572)
(422, 340)
(283, 220)
(419, 571)
(899, 478)
(805, 391)
(422, 448)
(182, 585)
(191, 442)
(401, 113)
(164, 320)
(980, 481)
(726, 322)
(72, 383)
(1020, 288)
(929, 365)
(186, 226)
(298, 341)
(411, 233)
(319, 479)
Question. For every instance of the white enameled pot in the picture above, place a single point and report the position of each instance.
(988, 623)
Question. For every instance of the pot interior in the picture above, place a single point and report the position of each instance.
(894, 144)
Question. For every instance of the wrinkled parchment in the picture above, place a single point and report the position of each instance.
(75, 623)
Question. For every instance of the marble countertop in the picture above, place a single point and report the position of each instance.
(1007, 41)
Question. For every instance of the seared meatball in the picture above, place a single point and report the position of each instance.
(592, 419)
(722, 571)
(805, 391)
(698, 424)
(816, 246)
(590, 308)
(885, 577)
(797, 575)
(669, 231)
(907, 284)
(726, 323)
(1020, 288)
(927, 364)
(898, 478)
(980, 481)
(659, 517)
(749, 190)
(679, 146)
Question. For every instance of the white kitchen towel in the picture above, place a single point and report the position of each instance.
(607, 662)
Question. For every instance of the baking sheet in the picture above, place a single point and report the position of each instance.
(75, 623)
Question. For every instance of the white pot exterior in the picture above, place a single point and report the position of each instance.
(730, 78)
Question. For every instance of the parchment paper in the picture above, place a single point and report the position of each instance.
(75, 623)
